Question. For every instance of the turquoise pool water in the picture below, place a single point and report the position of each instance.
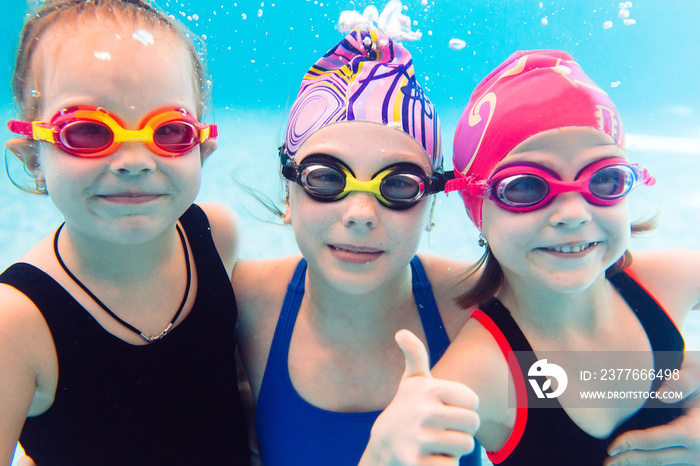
(258, 51)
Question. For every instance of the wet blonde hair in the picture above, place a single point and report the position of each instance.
(60, 13)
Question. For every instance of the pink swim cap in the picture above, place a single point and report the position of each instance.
(530, 92)
(367, 77)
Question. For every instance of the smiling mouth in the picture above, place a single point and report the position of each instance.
(354, 249)
(574, 248)
(129, 197)
(129, 194)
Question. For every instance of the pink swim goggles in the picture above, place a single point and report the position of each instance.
(94, 132)
(525, 186)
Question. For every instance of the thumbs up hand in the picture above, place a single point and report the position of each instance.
(429, 421)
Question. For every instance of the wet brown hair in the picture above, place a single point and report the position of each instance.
(492, 278)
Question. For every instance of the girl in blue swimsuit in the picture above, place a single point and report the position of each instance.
(361, 160)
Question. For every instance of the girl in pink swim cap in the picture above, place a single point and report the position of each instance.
(541, 166)
(361, 160)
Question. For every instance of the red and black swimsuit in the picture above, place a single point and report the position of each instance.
(549, 436)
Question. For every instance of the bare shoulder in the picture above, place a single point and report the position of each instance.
(223, 222)
(27, 364)
(257, 280)
(20, 323)
(472, 357)
(260, 287)
(475, 359)
(672, 276)
(449, 279)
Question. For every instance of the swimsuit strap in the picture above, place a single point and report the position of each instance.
(433, 326)
(666, 341)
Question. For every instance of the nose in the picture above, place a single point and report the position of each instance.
(132, 158)
(569, 210)
(360, 210)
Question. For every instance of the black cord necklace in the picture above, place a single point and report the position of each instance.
(148, 338)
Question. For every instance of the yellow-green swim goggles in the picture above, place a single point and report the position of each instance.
(327, 179)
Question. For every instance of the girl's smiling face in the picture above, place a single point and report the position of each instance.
(566, 245)
(356, 243)
(132, 194)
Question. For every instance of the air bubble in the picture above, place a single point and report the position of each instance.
(457, 44)
(143, 36)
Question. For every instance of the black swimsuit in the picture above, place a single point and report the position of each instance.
(171, 402)
(549, 436)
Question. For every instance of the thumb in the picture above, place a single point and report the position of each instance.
(417, 360)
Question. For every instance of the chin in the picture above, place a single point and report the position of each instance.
(138, 229)
(570, 282)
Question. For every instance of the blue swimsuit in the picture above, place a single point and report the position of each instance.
(294, 432)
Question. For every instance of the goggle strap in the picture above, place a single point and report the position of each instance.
(437, 182)
(646, 177)
(289, 172)
(472, 187)
(40, 133)
(21, 127)
(456, 184)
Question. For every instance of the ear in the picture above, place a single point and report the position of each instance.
(206, 149)
(287, 217)
(27, 151)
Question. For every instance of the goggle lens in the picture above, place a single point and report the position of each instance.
(86, 136)
(612, 182)
(402, 187)
(522, 190)
(176, 136)
(323, 181)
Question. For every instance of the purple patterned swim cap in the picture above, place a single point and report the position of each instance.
(366, 77)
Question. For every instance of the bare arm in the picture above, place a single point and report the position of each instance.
(27, 365)
(672, 276)
(224, 229)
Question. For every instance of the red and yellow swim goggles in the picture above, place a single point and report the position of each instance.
(94, 132)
